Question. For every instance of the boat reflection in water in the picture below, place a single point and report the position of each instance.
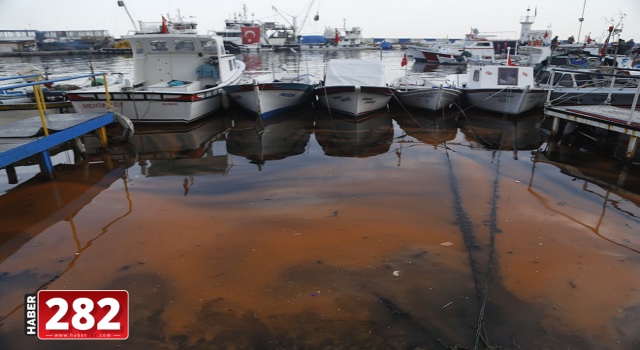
(431, 129)
(175, 150)
(613, 183)
(347, 138)
(57, 207)
(276, 138)
(488, 130)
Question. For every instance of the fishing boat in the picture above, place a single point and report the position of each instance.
(457, 51)
(243, 34)
(336, 39)
(354, 87)
(415, 91)
(267, 95)
(20, 102)
(503, 89)
(178, 76)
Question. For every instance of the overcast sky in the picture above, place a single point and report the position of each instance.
(377, 18)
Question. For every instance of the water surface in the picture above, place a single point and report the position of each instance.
(405, 231)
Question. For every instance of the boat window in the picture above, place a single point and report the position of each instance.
(184, 45)
(231, 64)
(507, 76)
(566, 80)
(139, 49)
(543, 78)
(208, 46)
(484, 44)
(476, 75)
(158, 45)
(583, 80)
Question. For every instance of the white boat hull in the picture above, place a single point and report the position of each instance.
(152, 107)
(432, 99)
(355, 101)
(511, 101)
(270, 99)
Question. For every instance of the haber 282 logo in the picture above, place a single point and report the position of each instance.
(77, 314)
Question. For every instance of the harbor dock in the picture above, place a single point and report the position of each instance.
(619, 119)
(38, 134)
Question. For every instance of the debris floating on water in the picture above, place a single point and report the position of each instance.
(447, 244)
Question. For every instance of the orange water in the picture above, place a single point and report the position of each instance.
(380, 247)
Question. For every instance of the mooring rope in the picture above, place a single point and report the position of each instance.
(493, 229)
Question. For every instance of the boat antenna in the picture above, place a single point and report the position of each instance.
(581, 19)
(121, 4)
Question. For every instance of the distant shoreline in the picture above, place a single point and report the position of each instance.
(66, 52)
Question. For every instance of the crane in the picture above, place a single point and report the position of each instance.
(293, 22)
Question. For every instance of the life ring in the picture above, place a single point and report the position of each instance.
(127, 129)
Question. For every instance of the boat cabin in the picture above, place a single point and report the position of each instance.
(179, 62)
(496, 77)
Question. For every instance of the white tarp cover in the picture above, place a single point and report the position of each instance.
(354, 72)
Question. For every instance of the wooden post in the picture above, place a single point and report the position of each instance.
(555, 126)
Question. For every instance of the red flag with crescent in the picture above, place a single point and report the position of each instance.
(404, 60)
(337, 38)
(250, 35)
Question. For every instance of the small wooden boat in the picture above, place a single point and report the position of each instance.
(418, 92)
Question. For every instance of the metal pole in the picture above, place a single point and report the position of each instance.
(121, 4)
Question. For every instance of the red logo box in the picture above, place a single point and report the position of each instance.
(83, 314)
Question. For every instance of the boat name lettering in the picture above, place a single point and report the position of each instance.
(98, 105)
(367, 99)
(288, 94)
(345, 99)
(169, 103)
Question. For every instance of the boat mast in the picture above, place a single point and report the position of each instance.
(581, 19)
(121, 4)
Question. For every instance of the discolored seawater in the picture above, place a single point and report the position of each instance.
(405, 231)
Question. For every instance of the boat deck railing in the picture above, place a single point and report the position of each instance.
(604, 116)
(611, 84)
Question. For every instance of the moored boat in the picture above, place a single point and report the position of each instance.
(178, 76)
(503, 89)
(267, 96)
(354, 87)
(418, 92)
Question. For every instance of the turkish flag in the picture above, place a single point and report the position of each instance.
(337, 39)
(250, 35)
(546, 34)
(404, 60)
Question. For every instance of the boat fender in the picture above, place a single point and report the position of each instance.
(127, 126)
